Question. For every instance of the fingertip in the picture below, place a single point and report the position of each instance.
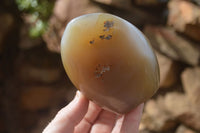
(136, 113)
(139, 108)
(132, 120)
(81, 97)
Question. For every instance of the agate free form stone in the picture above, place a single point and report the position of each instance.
(110, 61)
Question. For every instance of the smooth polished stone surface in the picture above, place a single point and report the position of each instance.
(110, 61)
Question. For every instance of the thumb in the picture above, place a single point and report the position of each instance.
(68, 117)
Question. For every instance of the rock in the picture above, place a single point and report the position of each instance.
(76, 8)
(61, 16)
(64, 11)
(130, 11)
(126, 10)
(169, 71)
(145, 131)
(149, 2)
(191, 84)
(61, 97)
(179, 106)
(40, 104)
(6, 25)
(191, 119)
(176, 103)
(30, 73)
(61, 10)
(183, 129)
(168, 42)
(184, 16)
(116, 3)
(155, 118)
(39, 65)
(36, 98)
(164, 113)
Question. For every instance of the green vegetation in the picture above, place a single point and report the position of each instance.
(40, 10)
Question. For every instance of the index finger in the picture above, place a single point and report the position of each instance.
(132, 120)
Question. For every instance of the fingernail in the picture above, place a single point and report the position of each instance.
(77, 95)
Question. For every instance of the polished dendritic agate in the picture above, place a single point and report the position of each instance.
(110, 61)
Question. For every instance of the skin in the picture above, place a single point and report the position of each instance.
(84, 116)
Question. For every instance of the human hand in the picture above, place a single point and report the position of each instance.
(84, 116)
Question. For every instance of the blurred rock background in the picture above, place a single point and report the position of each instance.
(34, 86)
